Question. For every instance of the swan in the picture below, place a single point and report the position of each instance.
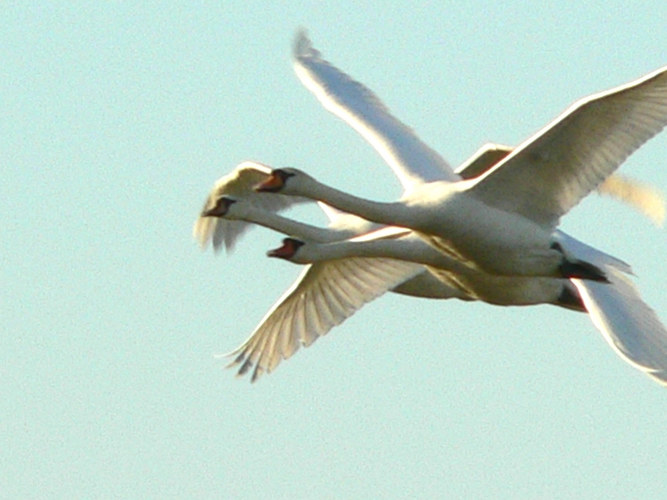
(357, 106)
(412, 161)
(616, 309)
(240, 183)
(344, 275)
(335, 285)
(454, 219)
(514, 207)
(402, 244)
(399, 243)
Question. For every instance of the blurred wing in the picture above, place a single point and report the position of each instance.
(238, 184)
(646, 199)
(411, 160)
(627, 323)
(552, 171)
(323, 296)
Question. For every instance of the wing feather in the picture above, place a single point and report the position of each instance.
(323, 296)
(411, 160)
(627, 323)
(544, 177)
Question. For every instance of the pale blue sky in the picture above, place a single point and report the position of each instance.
(117, 119)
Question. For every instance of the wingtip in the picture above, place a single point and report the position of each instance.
(302, 46)
(256, 373)
(201, 232)
(644, 198)
(240, 359)
(247, 364)
(659, 376)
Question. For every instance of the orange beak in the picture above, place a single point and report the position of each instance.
(220, 208)
(287, 250)
(271, 184)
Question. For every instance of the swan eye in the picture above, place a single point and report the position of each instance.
(283, 174)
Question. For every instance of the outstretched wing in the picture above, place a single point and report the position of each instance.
(642, 197)
(548, 174)
(411, 160)
(627, 323)
(324, 295)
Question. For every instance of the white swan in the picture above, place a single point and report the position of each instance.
(399, 243)
(629, 325)
(402, 244)
(514, 207)
(454, 219)
(345, 275)
(240, 184)
(291, 313)
(459, 280)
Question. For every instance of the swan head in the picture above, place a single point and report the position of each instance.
(288, 250)
(283, 180)
(220, 208)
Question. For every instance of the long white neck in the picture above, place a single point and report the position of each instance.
(392, 213)
(411, 249)
(287, 226)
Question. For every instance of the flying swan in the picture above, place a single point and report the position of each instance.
(344, 275)
(514, 207)
(289, 324)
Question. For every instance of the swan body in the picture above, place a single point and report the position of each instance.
(458, 280)
(404, 245)
(450, 220)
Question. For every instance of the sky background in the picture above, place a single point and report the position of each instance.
(117, 117)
